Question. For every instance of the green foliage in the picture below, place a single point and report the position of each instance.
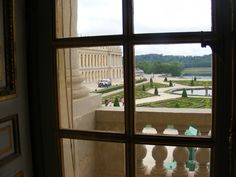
(192, 83)
(197, 71)
(151, 83)
(139, 93)
(177, 105)
(140, 80)
(170, 84)
(109, 89)
(117, 87)
(116, 102)
(155, 91)
(195, 78)
(165, 80)
(185, 61)
(196, 83)
(143, 88)
(156, 67)
(181, 102)
(184, 93)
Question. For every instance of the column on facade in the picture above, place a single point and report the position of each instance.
(106, 60)
(117, 60)
(80, 60)
(93, 62)
(83, 60)
(90, 60)
(98, 62)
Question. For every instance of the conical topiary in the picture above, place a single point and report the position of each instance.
(116, 103)
(155, 91)
(151, 82)
(184, 93)
(170, 84)
(165, 80)
(143, 88)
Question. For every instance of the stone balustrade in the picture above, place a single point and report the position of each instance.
(112, 119)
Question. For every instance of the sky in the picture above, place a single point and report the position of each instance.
(104, 17)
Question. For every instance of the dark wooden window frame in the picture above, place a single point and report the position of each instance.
(45, 126)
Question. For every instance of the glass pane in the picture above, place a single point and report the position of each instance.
(177, 96)
(78, 18)
(90, 88)
(92, 158)
(158, 16)
(158, 160)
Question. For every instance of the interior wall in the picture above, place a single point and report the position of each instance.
(19, 105)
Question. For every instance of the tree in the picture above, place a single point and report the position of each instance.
(195, 78)
(116, 103)
(155, 91)
(170, 84)
(151, 82)
(165, 80)
(143, 88)
(192, 83)
(184, 93)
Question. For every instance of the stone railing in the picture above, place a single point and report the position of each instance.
(158, 120)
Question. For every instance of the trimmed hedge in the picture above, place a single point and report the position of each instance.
(116, 87)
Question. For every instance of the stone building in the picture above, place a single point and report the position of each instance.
(100, 62)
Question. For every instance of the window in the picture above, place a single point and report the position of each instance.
(128, 135)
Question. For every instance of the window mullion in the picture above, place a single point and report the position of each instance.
(129, 108)
(129, 87)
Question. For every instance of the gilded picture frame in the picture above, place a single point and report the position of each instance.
(10, 142)
(7, 50)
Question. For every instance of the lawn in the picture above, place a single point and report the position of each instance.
(195, 83)
(197, 71)
(139, 93)
(181, 103)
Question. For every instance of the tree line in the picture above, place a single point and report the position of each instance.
(156, 63)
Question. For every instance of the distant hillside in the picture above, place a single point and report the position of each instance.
(184, 61)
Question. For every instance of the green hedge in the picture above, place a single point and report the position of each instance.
(116, 87)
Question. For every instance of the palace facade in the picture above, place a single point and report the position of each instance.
(97, 63)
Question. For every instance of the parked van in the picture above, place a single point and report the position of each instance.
(104, 83)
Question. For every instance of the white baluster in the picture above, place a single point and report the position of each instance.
(159, 153)
(180, 155)
(202, 157)
(141, 152)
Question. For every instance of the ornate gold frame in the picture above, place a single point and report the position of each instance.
(8, 89)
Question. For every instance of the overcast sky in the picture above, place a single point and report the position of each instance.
(103, 17)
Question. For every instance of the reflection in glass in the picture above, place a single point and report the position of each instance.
(177, 93)
(155, 16)
(92, 158)
(158, 160)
